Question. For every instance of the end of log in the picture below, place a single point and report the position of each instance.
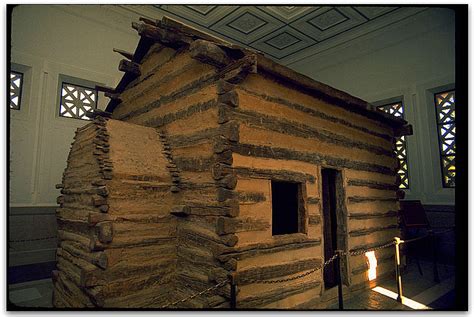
(404, 130)
(129, 67)
(55, 275)
(229, 181)
(230, 240)
(105, 231)
(124, 53)
(113, 96)
(224, 87)
(174, 189)
(209, 53)
(97, 113)
(181, 211)
(59, 186)
(104, 88)
(224, 194)
(148, 21)
(230, 98)
(400, 194)
(94, 218)
(231, 265)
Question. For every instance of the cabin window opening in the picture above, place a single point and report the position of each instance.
(287, 208)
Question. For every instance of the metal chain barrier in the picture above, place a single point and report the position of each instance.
(207, 290)
(331, 259)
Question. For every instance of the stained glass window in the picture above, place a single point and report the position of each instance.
(398, 110)
(446, 118)
(76, 101)
(16, 85)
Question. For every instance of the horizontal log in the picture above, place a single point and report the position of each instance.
(229, 208)
(182, 114)
(314, 219)
(224, 194)
(290, 244)
(186, 90)
(316, 113)
(226, 225)
(278, 175)
(313, 200)
(337, 97)
(266, 298)
(371, 184)
(268, 272)
(363, 232)
(358, 199)
(288, 127)
(97, 258)
(251, 197)
(365, 215)
(286, 154)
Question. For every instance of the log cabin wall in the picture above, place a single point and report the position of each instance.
(285, 134)
(177, 94)
(117, 238)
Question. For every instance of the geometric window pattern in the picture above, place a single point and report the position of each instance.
(16, 83)
(446, 119)
(76, 101)
(398, 110)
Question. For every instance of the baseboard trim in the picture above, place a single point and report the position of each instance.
(30, 272)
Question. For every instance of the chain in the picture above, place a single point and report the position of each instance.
(360, 252)
(212, 288)
(297, 276)
(37, 239)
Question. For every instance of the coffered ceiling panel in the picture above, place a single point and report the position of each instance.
(204, 15)
(287, 33)
(328, 21)
(288, 13)
(283, 42)
(373, 12)
(247, 24)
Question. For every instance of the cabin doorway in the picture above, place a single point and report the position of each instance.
(334, 232)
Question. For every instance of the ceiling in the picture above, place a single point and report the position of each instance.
(287, 33)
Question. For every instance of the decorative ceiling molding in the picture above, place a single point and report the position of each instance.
(286, 34)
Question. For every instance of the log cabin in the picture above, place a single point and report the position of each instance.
(211, 161)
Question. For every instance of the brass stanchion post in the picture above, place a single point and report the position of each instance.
(435, 257)
(339, 279)
(397, 268)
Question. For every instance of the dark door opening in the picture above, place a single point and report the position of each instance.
(330, 188)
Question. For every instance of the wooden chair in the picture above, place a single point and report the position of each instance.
(413, 218)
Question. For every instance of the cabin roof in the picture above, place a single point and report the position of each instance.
(175, 34)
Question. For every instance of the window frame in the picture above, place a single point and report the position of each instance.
(74, 81)
(20, 94)
(389, 102)
(437, 92)
(300, 208)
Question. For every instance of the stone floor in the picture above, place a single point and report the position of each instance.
(419, 288)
